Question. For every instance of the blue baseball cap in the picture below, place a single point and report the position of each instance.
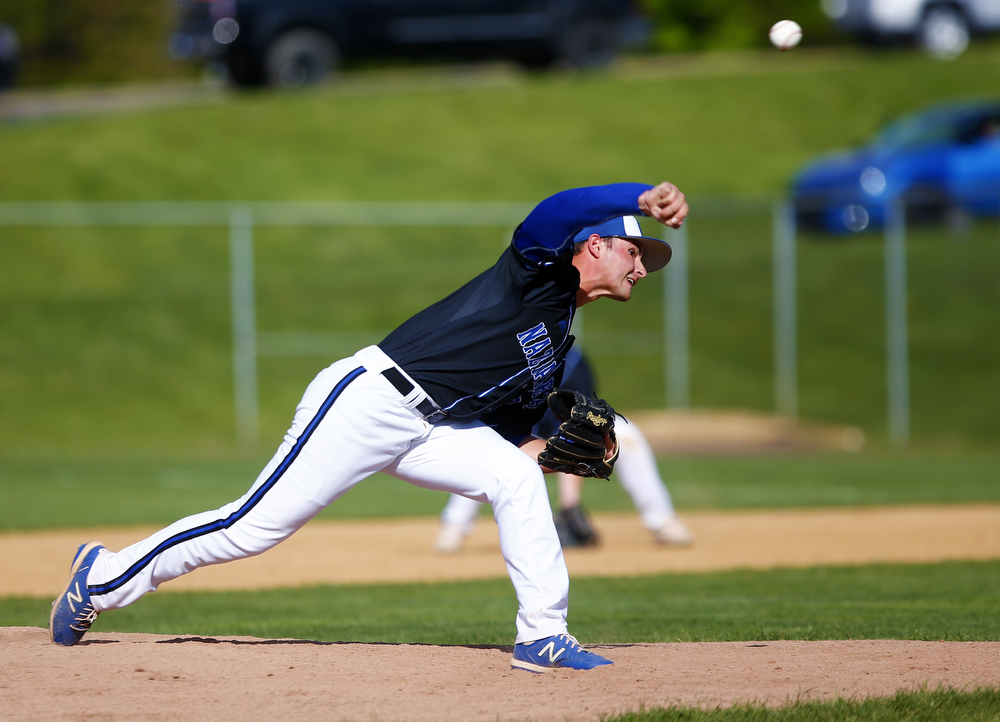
(655, 251)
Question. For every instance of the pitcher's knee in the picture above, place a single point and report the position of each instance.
(522, 478)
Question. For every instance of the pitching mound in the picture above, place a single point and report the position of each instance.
(740, 432)
(151, 677)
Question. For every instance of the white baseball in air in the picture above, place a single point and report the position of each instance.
(785, 34)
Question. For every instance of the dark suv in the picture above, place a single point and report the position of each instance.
(293, 42)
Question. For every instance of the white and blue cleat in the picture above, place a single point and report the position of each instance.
(559, 652)
(72, 612)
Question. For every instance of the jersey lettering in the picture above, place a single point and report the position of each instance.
(532, 334)
(541, 372)
(532, 350)
(536, 361)
(539, 353)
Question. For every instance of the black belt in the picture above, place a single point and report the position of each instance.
(403, 386)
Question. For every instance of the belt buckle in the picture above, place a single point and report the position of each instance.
(431, 412)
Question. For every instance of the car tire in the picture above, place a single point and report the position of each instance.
(588, 44)
(944, 31)
(301, 57)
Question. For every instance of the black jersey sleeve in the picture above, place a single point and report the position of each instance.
(549, 229)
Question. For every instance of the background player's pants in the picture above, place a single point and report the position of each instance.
(637, 473)
(350, 423)
(635, 470)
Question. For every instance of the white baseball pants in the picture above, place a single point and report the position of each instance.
(635, 470)
(350, 423)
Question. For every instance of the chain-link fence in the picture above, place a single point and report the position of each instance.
(750, 313)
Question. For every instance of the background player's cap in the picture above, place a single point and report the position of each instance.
(655, 252)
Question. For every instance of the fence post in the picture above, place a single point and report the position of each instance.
(244, 328)
(897, 343)
(785, 311)
(675, 314)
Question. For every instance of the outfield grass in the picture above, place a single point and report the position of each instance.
(40, 494)
(718, 123)
(116, 342)
(947, 601)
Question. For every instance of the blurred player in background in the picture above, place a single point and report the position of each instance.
(636, 470)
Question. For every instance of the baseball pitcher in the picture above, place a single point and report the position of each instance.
(447, 401)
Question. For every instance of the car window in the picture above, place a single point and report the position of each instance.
(987, 127)
(941, 127)
(915, 131)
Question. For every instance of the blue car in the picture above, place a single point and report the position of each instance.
(940, 162)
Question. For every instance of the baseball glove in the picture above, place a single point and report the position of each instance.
(585, 436)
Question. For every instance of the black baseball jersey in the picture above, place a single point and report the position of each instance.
(494, 348)
(576, 375)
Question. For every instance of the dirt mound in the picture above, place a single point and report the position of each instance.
(740, 432)
(150, 677)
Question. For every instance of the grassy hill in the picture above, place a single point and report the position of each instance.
(728, 123)
(117, 341)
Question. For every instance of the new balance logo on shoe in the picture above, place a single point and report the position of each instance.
(559, 652)
(71, 597)
(72, 613)
(550, 648)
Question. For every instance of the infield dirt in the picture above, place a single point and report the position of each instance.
(152, 677)
(35, 563)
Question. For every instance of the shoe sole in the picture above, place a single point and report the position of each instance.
(529, 667)
(539, 669)
(77, 561)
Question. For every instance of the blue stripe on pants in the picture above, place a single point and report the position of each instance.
(220, 524)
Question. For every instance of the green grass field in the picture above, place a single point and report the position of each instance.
(40, 494)
(116, 341)
(948, 601)
(718, 123)
(115, 368)
(952, 601)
